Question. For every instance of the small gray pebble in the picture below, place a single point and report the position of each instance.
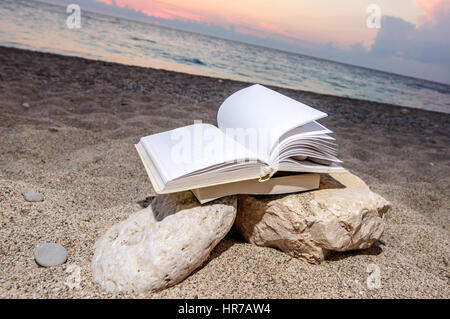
(50, 254)
(26, 105)
(31, 196)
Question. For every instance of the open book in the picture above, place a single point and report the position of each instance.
(259, 132)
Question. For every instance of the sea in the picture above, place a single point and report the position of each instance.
(42, 27)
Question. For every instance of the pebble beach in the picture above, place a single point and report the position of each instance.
(68, 128)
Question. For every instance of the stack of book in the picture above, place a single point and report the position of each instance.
(264, 143)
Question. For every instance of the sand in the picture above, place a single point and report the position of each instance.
(74, 144)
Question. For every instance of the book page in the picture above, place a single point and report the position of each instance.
(308, 129)
(191, 149)
(293, 165)
(266, 112)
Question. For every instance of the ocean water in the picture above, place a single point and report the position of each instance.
(42, 27)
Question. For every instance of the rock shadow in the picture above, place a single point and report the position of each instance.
(146, 202)
(226, 243)
(374, 250)
(328, 182)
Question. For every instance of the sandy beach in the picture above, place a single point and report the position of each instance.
(74, 143)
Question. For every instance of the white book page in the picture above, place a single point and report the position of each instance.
(290, 164)
(192, 148)
(262, 109)
(308, 129)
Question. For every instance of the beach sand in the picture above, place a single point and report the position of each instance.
(75, 145)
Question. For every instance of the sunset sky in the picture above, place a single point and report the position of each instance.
(319, 21)
(412, 40)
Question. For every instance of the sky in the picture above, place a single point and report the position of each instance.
(412, 39)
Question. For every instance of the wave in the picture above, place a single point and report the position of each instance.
(142, 40)
(192, 61)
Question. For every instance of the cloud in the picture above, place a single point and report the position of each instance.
(110, 2)
(434, 10)
(155, 8)
(392, 37)
(428, 43)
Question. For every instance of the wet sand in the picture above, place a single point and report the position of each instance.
(75, 145)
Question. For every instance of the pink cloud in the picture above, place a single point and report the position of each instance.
(105, 1)
(171, 11)
(273, 28)
(184, 15)
(157, 9)
(157, 14)
(434, 10)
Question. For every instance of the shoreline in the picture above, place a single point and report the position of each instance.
(237, 81)
(146, 22)
(69, 126)
(393, 109)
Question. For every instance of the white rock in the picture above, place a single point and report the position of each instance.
(26, 105)
(50, 254)
(31, 196)
(342, 215)
(161, 245)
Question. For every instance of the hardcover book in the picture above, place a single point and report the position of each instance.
(259, 132)
(280, 183)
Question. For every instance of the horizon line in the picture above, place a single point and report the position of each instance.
(238, 41)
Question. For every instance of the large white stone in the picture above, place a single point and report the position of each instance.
(162, 244)
(50, 254)
(343, 214)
